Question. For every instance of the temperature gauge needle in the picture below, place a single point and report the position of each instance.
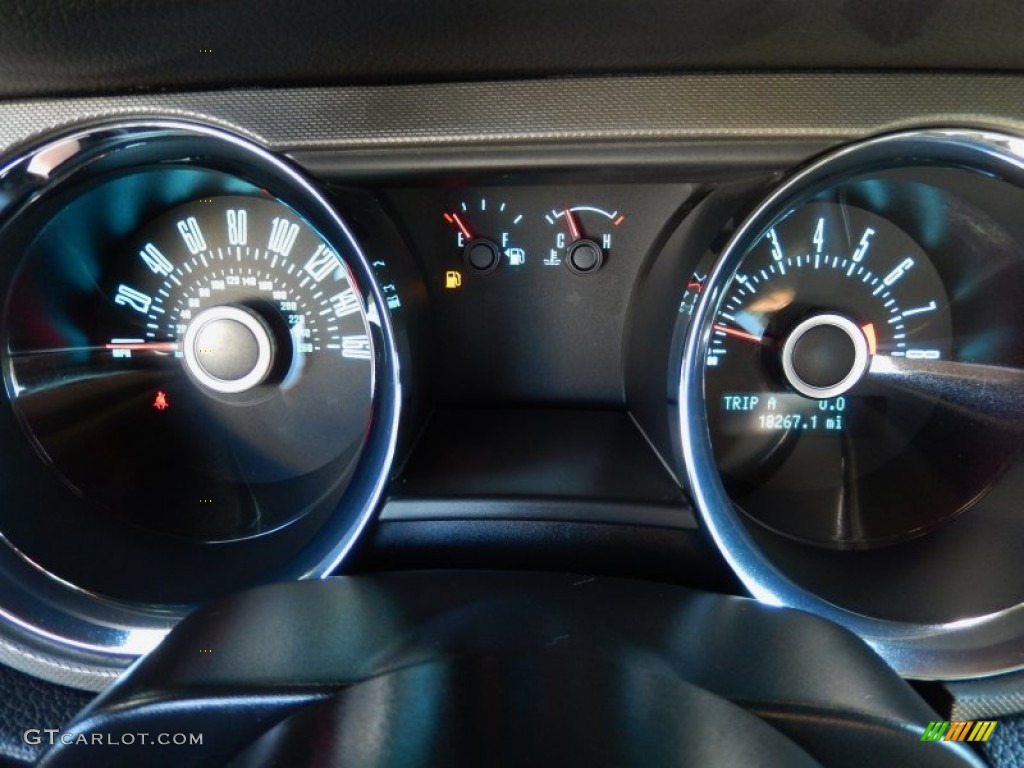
(574, 229)
(739, 334)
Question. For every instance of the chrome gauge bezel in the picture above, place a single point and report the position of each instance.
(974, 646)
(58, 631)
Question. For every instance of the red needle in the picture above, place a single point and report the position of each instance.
(574, 230)
(462, 227)
(739, 334)
(146, 346)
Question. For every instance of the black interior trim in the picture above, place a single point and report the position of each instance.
(66, 47)
(449, 665)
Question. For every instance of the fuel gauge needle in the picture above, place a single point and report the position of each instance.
(739, 334)
(453, 218)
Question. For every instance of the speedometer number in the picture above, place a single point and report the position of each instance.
(282, 236)
(133, 299)
(238, 226)
(322, 263)
(356, 347)
(155, 260)
(192, 235)
(345, 303)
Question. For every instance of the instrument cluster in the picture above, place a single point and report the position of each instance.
(218, 371)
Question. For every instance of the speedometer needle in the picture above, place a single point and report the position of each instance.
(145, 346)
(739, 334)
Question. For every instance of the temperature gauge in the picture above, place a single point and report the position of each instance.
(584, 237)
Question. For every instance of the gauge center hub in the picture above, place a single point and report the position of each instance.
(825, 356)
(228, 349)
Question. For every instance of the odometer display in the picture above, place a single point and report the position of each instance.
(745, 413)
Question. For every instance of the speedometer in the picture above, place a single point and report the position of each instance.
(230, 359)
(201, 383)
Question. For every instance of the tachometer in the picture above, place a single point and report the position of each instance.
(798, 420)
(850, 408)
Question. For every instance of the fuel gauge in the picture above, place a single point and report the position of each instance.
(486, 232)
(584, 237)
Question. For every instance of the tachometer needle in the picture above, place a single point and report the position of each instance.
(145, 346)
(739, 334)
(574, 230)
(869, 334)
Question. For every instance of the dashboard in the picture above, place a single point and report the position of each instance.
(752, 333)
